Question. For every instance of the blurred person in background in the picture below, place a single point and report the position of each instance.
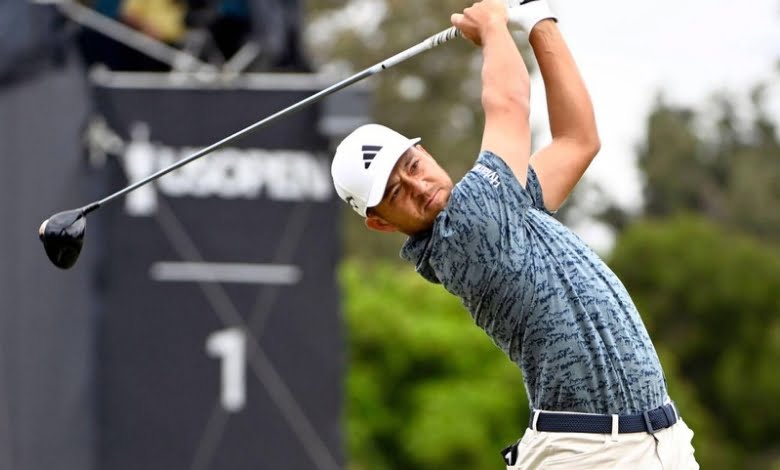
(593, 378)
(160, 19)
(270, 25)
(213, 30)
(97, 48)
(47, 320)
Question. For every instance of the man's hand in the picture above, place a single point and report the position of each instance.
(479, 18)
(524, 15)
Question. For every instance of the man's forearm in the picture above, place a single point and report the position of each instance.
(569, 105)
(561, 164)
(501, 60)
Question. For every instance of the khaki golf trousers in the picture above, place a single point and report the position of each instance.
(668, 449)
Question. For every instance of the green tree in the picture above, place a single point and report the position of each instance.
(708, 285)
(709, 297)
(712, 162)
(426, 387)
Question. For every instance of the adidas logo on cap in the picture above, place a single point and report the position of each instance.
(369, 152)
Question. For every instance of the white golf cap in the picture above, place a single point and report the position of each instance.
(363, 163)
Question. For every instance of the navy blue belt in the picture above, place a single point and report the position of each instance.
(650, 421)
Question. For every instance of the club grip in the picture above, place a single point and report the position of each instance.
(444, 36)
(430, 43)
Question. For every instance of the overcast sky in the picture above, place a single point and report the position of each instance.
(628, 50)
(690, 49)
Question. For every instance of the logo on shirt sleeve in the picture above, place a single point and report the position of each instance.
(488, 174)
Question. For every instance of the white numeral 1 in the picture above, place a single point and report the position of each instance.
(230, 346)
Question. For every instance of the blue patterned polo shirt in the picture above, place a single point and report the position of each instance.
(541, 294)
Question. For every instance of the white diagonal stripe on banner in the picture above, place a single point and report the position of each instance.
(243, 273)
(209, 441)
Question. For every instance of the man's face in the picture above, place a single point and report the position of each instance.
(417, 190)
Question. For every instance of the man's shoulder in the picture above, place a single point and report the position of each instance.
(483, 178)
(488, 168)
(487, 190)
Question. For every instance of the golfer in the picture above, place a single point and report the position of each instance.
(593, 379)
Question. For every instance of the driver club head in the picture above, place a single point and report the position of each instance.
(63, 235)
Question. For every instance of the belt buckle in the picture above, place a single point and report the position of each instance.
(648, 424)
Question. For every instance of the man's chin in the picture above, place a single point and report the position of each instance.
(422, 226)
(446, 193)
(438, 204)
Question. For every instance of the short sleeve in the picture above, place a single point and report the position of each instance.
(531, 195)
(534, 189)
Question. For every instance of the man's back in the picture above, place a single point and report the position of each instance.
(542, 295)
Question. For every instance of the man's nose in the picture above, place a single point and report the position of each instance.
(415, 185)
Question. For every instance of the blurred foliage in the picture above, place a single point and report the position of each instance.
(709, 284)
(435, 95)
(711, 301)
(715, 162)
(426, 388)
(708, 287)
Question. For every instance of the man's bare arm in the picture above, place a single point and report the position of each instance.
(505, 84)
(575, 140)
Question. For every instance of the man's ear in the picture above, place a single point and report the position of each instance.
(374, 222)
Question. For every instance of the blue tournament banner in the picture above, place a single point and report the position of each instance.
(221, 344)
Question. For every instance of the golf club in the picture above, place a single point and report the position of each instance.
(63, 233)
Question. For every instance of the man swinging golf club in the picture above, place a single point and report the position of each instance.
(595, 384)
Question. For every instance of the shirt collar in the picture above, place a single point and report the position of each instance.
(417, 250)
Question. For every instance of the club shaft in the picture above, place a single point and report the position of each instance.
(429, 43)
